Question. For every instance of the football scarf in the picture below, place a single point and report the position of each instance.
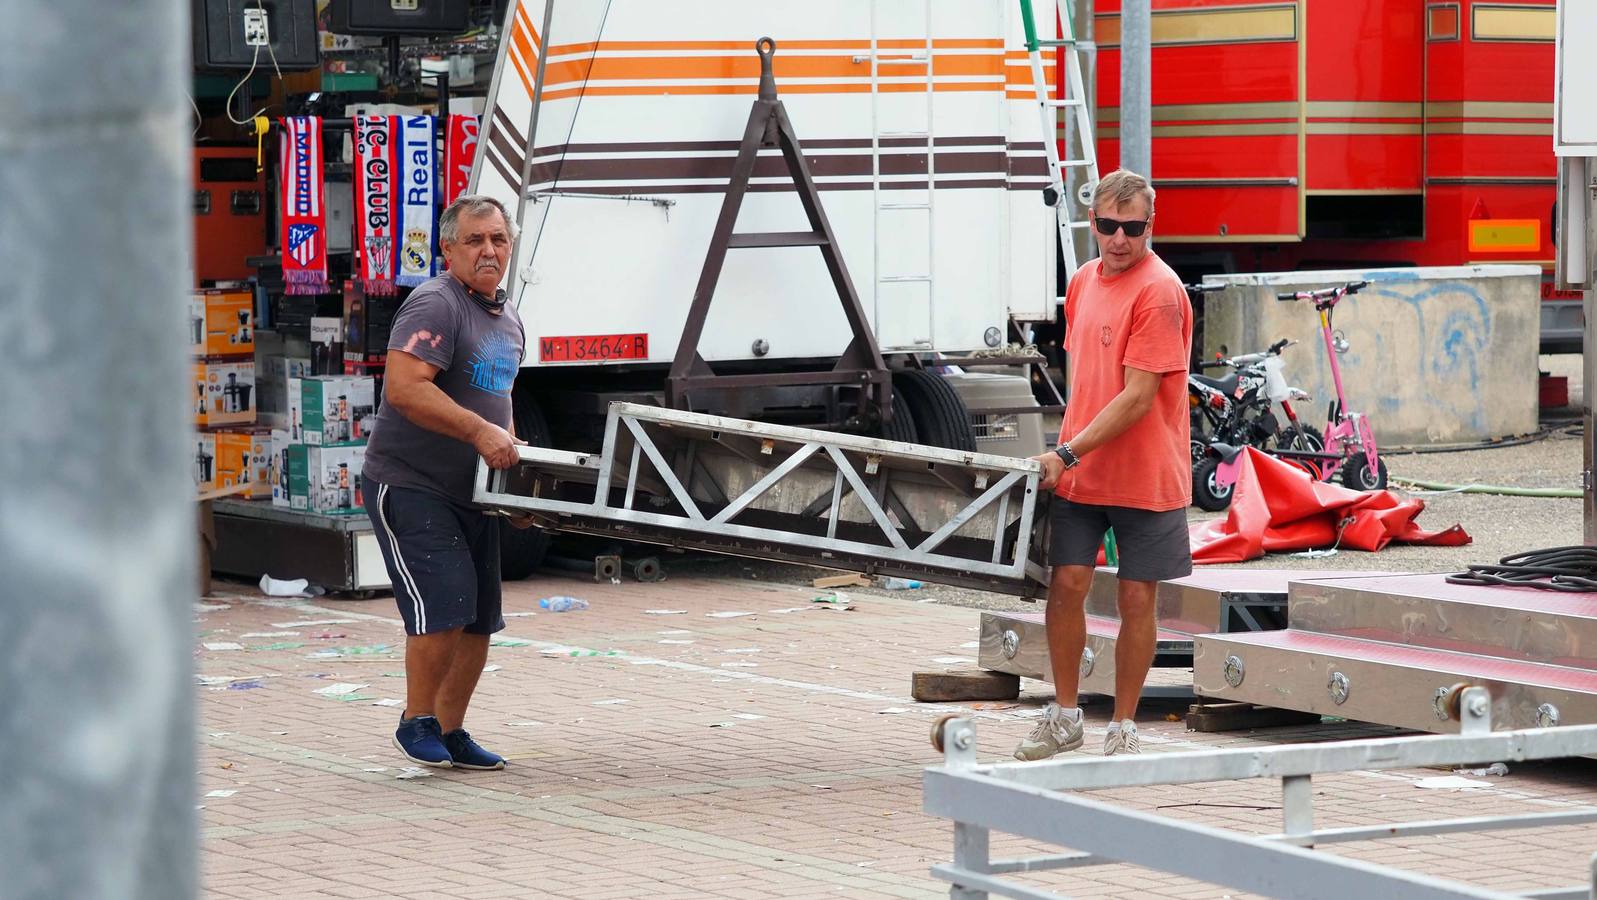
(374, 197)
(304, 234)
(460, 145)
(416, 194)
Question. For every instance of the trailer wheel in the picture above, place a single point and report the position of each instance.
(940, 416)
(1207, 494)
(521, 550)
(902, 428)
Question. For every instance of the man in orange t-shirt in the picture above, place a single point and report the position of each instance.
(1123, 461)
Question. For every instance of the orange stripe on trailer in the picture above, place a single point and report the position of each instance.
(681, 90)
(748, 46)
(523, 18)
(747, 66)
(1505, 235)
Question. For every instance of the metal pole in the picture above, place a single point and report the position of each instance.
(97, 522)
(532, 140)
(1136, 113)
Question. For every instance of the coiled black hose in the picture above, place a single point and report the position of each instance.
(1571, 569)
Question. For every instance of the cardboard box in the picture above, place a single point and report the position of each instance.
(278, 467)
(327, 345)
(204, 463)
(295, 419)
(273, 376)
(326, 479)
(368, 321)
(228, 322)
(243, 456)
(198, 403)
(337, 409)
(196, 334)
(229, 390)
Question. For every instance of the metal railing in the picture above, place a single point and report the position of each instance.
(1040, 801)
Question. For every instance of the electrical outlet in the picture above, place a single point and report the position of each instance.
(404, 5)
(255, 32)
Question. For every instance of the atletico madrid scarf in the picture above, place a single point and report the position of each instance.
(304, 236)
(460, 145)
(416, 196)
(374, 198)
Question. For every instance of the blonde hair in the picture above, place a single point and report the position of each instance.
(1121, 187)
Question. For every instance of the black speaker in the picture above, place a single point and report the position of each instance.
(400, 17)
(228, 34)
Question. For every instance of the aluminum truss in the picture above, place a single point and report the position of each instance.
(777, 492)
(1038, 800)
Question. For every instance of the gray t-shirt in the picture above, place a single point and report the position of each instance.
(478, 355)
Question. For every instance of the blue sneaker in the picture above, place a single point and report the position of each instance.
(420, 740)
(468, 754)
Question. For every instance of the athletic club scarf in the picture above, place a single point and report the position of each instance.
(374, 196)
(459, 148)
(417, 196)
(304, 237)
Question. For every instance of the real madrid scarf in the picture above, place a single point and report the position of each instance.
(417, 190)
(460, 145)
(304, 236)
(374, 196)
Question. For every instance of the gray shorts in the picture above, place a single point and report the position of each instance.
(1153, 546)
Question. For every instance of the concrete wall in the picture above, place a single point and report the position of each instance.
(1437, 356)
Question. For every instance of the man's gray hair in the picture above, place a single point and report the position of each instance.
(1122, 186)
(470, 205)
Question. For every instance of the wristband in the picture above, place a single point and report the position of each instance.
(1069, 456)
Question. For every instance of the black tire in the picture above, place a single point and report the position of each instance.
(941, 419)
(1207, 494)
(521, 550)
(1298, 437)
(1355, 473)
(902, 427)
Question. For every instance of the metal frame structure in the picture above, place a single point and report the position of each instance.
(777, 492)
(860, 364)
(1040, 801)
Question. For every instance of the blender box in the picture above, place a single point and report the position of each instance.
(327, 345)
(294, 419)
(225, 325)
(274, 375)
(204, 462)
(243, 456)
(337, 409)
(278, 467)
(229, 390)
(326, 479)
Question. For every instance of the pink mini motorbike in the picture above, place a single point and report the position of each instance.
(1349, 447)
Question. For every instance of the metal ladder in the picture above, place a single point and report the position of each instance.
(1076, 98)
(929, 207)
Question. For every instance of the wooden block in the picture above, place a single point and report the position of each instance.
(1212, 717)
(966, 684)
(851, 579)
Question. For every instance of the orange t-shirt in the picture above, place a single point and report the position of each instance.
(1140, 318)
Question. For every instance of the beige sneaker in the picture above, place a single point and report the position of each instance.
(1122, 740)
(1056, 733)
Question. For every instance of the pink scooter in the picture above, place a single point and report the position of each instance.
(1349, 448)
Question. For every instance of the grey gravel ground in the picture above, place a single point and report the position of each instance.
(1499, 525)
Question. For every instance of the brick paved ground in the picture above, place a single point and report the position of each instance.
(770, 754)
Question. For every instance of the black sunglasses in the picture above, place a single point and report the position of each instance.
(1107, 227)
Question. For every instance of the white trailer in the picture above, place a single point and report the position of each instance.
(918, 120)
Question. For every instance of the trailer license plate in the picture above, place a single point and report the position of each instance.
(582, 348)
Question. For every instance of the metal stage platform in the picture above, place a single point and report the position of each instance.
(1389, 649)
(1208, 600)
